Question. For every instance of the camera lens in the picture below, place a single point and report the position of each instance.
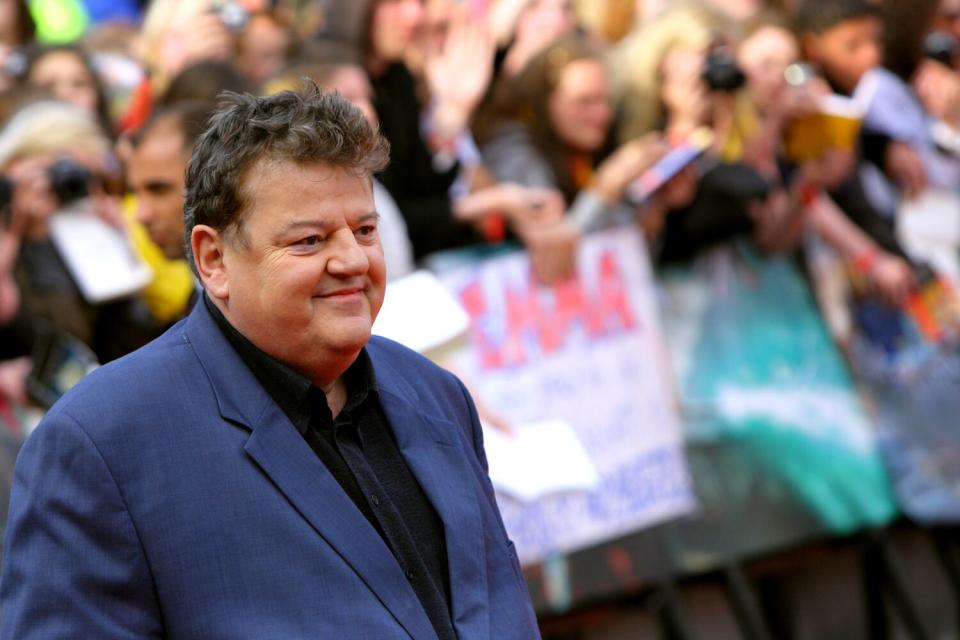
(940, 46)
(69, 181)
(722, 73)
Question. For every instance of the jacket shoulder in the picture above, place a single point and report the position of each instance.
(413, 375)
(386, 351)
(143, 378)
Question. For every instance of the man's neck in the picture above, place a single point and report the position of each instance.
(336, 393)
(330, 382)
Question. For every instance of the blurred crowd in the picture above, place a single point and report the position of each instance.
(525, 121)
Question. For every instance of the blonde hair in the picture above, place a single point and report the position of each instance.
(160, 17)
(636, 63)
(48, 127)
(611, 19)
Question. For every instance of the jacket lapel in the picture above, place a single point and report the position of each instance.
(282, 453)
(436, 457)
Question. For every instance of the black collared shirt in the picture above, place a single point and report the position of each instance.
(359, 450)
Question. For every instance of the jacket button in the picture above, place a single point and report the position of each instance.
(375, 500)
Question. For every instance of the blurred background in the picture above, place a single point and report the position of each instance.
(706, 254)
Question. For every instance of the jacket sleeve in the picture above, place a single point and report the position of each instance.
(476, 437)
(73, 565)
(523, 619)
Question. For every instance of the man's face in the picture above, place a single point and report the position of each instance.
(846, 51)
(156, 176)
(305, 273)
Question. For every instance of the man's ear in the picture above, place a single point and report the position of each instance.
(208, 247)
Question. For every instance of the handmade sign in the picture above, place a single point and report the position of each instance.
(587, 353)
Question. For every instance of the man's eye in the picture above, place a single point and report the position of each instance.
(309, 241)
(366, 230)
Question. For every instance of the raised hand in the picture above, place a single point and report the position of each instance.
(905, 166)
(626, 164)
(528, 205)
(458, 71)
(552, 249)
(891, 277)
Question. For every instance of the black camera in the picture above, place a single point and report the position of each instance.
(69, 182)
(722, 73)
(941, 46)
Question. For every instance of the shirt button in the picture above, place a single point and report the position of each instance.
(375, 500)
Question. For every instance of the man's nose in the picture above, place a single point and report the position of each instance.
(144, 211)
(348, 258)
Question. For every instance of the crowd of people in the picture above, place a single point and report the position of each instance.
(524, 121)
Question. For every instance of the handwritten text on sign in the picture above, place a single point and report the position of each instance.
(588, 352)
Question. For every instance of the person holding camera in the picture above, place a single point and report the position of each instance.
(676, 74)
(16, 335)
(54, 154)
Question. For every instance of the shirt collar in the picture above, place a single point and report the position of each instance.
(293, 392)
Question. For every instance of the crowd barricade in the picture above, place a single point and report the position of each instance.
(719, 416)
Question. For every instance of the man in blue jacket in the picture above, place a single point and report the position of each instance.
(266, 469)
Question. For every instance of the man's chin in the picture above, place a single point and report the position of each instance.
(352, 338)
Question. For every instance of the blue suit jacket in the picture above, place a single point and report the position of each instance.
(169, 496)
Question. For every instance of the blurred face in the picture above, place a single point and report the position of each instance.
(948, 17)
(683, 93)
(394, 27)
(763, 57)
(155, 172)
(353, 84)
(263, 48)
(846, 52)
(65, 76)
(9, 19)
(579, 107)
(308, 281)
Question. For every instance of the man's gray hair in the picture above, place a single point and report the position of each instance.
(303, 127)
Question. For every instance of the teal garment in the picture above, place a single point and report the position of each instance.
(755, 365)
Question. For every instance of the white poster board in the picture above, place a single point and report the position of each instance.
(587, 353)
(100, 258)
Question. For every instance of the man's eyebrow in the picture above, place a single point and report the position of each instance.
(158, 183)
(313, 223)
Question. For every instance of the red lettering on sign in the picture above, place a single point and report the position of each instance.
(614, 303)
(530, 321)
